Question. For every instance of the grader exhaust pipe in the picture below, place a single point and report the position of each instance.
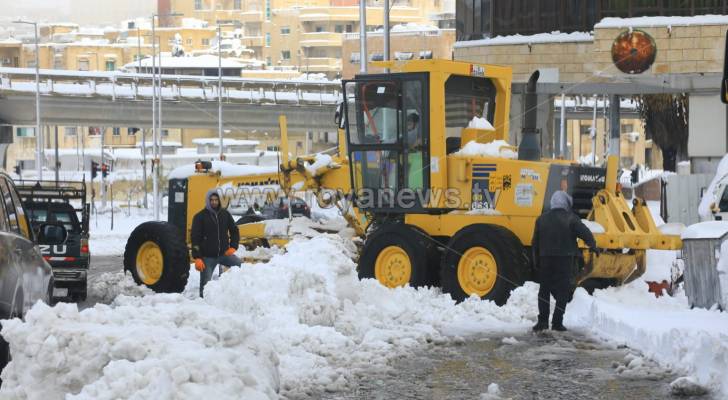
(530, 146)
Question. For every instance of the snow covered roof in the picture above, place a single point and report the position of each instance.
(553, 37)
(662, 21)
(194, 23)
(226, 170)
(225, 142)
(203, 61)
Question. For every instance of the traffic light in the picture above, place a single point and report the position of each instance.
(94, 169)
(105, 170)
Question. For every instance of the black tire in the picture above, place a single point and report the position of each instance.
(508, 254)
(414, 242)
(4, 354)
(176, 262)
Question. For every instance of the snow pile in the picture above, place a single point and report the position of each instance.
(711, 194)
(321, 162)
(107, 286)
(648, 22)
(161, 346)
(706, 230)
(225, 169)
(493, 393)
(665, 329)
(553, 37)
(326, 328)
(687, 386)
(510, 340)
(496, 148)
(480, 123)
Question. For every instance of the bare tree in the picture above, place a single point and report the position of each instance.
(666, 122)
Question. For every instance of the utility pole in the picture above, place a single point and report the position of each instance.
(38, 132)
(58, 162)
(363, 36)
(219, 90)
(142, 130)
(103, 178)
(386, 33)
(155, 139)
(614, 125)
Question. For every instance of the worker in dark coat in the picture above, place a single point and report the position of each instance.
(214, 237)
(554, 255)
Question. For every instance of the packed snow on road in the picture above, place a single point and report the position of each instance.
(302, 323)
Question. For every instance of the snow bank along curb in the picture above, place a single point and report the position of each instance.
(666, 330)
(323, 326)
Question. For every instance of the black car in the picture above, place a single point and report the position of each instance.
(25, 277)
(51, 202)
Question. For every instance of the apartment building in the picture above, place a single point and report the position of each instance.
(307, 34)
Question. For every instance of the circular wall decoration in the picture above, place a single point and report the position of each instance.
(633, 52)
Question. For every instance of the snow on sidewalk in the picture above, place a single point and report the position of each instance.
(323, 326)
(665, 329)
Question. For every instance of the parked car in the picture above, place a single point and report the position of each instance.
(63, 203)
(25, 277)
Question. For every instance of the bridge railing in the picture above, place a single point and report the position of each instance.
(130, 86)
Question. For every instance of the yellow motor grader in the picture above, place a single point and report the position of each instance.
(440, 197)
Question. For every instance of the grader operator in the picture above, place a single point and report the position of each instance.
(437, 203)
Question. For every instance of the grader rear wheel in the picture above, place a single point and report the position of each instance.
(485, 261)
(156, 256)
(396, 255)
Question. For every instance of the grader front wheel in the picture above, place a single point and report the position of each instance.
(396, 255)
(482, 260)
(156, 256)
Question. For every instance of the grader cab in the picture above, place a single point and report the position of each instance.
(440, 196)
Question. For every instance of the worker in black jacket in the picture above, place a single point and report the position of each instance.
(554, 255)
(214, 237)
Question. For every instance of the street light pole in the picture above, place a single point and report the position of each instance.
(142, 130)
(155, 167)
(219, 90)
(38, 133)
(363, 36)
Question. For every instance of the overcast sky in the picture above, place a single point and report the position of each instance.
(85, 12)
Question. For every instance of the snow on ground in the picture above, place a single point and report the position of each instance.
(665, 329)
(323, 326)
(712, 194)
(496, 148)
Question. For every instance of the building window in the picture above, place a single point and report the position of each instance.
(627, 128)
(25, 132)
(165, 132)
(286, 54)
(355, 58)
(189, 41)
(116, 131)
(94, 131)
(30, 64)
(426, 55)
(131, 131)
(267, 10)
(267, 39)
(110, 65)
(319, 29)
(236, 5)
(58, 62)
(339, 29)
(198, 4)
(349, 28)
(205, 42)
(268, 61)
(83, 65)
(285, 30)
(70, 131)
(376, 57)
(399, 55)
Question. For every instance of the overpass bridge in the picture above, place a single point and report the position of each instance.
(125, 99)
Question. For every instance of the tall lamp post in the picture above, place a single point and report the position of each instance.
(156, 133)
(219, 87)
(38, 133)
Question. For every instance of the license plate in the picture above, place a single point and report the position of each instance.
(60, 292)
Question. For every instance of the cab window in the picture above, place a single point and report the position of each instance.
(467, 97)
(16, 215)
(378, 103)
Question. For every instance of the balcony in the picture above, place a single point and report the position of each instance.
(320, 64)
(252, 41)
(320, 39)
(250, 17)
(375, 15)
